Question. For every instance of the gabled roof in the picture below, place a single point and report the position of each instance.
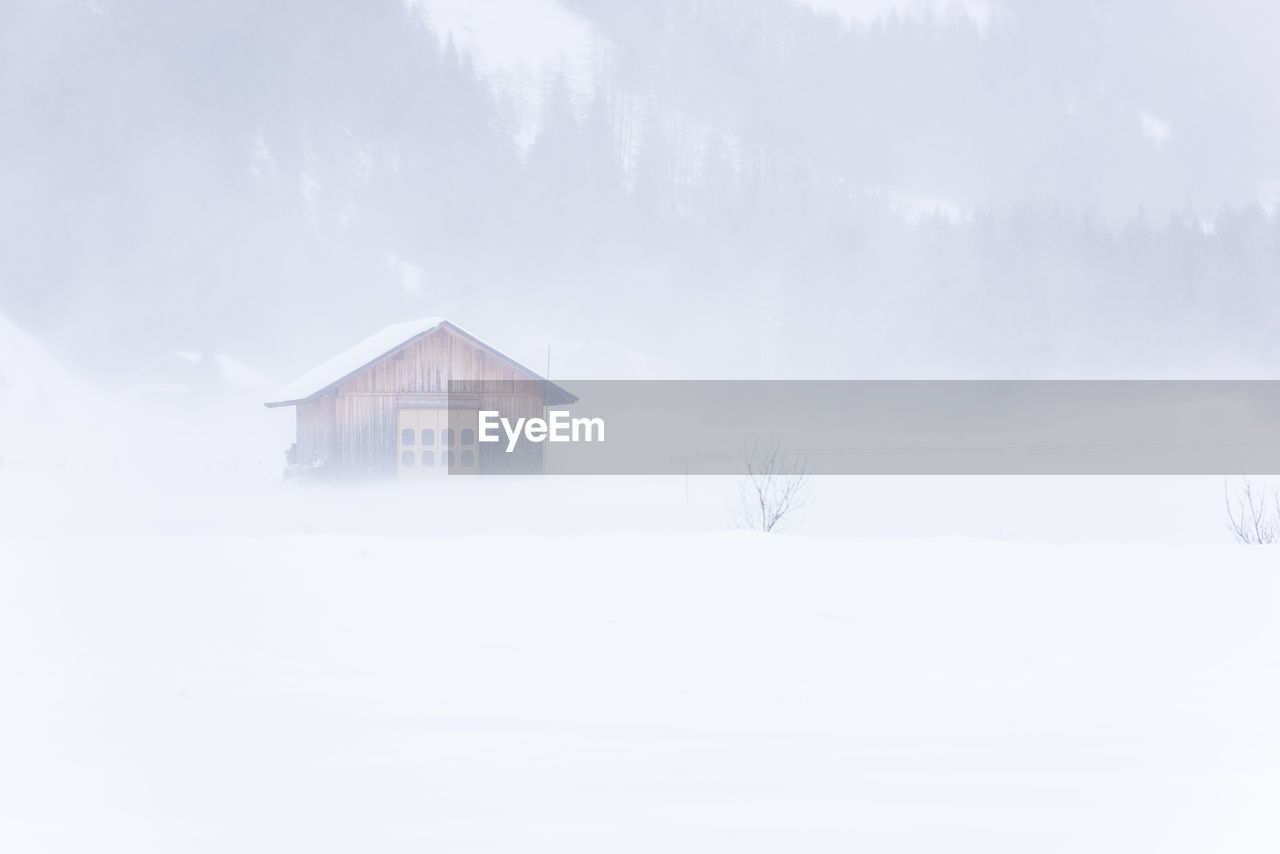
(347, 364)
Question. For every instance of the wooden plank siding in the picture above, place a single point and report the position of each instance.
(353, 428)
(315, 430)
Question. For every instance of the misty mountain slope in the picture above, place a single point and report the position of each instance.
(1093, 109)
(913, 196)
(519, 49)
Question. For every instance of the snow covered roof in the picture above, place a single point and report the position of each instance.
(187, 371)
(354, 360)
(350, 362)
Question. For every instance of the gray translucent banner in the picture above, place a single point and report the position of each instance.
(892, 427)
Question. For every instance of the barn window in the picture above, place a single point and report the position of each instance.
(468, 438)
(468, 457)
(428, 437)
(448, 459)
(406, 437)
(428, 459)
(406, 459)
(448, 437)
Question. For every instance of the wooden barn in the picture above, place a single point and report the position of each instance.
(404, 404)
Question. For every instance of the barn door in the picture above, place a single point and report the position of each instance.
(435, 442)
(419, 444)
(461, 453)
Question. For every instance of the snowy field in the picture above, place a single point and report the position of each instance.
(197, 657)
(628, 692)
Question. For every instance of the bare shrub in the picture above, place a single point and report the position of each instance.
(776, 485)
(1253, 514)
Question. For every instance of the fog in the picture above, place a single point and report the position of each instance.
(210, 641)
(199, 203)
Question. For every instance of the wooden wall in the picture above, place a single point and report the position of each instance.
(354, 427)
(316, 430)
(429, 363)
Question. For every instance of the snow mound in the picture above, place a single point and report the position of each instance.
(184, 372)
(31, 380)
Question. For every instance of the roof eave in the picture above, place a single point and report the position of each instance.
(559, 396)
(562, 398)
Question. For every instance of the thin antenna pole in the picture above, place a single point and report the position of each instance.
(548, 361)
